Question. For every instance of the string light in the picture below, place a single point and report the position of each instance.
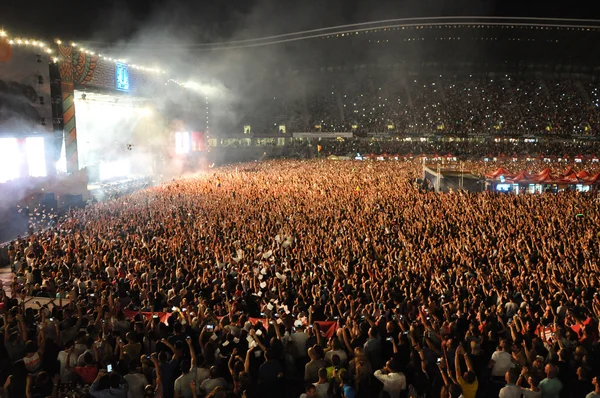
(48, 50)
(27, 42)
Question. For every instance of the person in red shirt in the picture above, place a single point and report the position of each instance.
(89, 371)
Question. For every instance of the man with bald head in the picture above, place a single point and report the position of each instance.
(551, 386)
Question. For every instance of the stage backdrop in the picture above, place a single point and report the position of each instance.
(81, 70)
(25, 105)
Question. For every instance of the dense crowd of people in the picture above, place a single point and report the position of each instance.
(588, 151)
(307, 279)
(366, 102)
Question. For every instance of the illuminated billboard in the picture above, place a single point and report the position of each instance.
(122, 77)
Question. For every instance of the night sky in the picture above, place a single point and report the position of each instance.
(215, 20)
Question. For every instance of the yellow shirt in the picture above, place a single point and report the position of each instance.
(468, 390)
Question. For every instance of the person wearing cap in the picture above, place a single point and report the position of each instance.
(299, 339)
(537, 367)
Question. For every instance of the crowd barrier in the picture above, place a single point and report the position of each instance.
(328, 328)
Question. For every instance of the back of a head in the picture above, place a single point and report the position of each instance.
(162, 357)
(42, 378)
(373, 332)
(115, 380)
(132, 366)
(551, 371)
(185, 366)
(455, 391)
(534, 381)
(335, 360)
(345, 377)
(180, 345)
(318, 350)
(245, 379)
(323, 373)
(214, 372)
(270, 354)
(470, 377)
(88, 358)
(393, 365)
(30, 347)
(337, 345)
(177, 327)
(511, 377)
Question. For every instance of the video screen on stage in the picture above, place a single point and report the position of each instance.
(119, 134)
(188, 142)
(22, 157)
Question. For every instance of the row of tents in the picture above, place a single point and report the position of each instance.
(502, 157)
(544, 177)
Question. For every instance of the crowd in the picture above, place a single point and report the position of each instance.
(307, 279)
(367, 102)
(465, 149)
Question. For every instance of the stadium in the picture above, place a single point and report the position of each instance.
(401, 208)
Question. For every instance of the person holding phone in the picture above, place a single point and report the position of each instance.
(394, 381)
(189, 373)
(117, 387)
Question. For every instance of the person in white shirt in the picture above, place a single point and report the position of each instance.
(533, 391)
(510, 390)
(311, 392)
(501, 361)
(136, 381)
(337, 350)
(65, 375)
(596, 392)
(111, 271)
(299, 338)
(394, 381)
(323, 384)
